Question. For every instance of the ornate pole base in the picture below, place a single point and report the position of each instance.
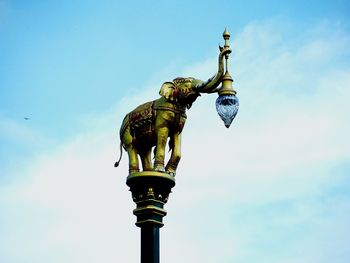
(150, 191)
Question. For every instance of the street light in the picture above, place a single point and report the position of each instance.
(154, 124)
(227, 103)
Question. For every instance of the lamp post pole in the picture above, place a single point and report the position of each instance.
(150, 191)
(150, 243)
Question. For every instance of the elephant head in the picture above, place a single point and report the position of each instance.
(181, 91)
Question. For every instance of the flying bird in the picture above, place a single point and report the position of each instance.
(26, 118)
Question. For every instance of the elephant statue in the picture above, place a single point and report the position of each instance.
(152, 123)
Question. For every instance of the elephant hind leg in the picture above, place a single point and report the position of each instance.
(133, 160)
(132, 152)
(146, 160)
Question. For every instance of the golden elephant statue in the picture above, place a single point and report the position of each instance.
(152, 123)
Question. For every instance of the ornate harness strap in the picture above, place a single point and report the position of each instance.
(173, 108)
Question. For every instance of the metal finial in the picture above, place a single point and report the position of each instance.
(226, 88)
(226, 34)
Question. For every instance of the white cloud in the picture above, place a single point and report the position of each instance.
(288, 139)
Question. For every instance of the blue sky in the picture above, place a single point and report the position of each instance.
(272, 188)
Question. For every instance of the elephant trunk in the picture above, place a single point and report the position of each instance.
(211, 84)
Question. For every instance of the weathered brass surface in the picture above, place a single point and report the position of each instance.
(226, 87)
(152, 125)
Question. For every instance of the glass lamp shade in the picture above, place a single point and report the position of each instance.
(227, 108)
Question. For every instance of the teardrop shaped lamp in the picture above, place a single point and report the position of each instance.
(227, 108)
(227, 103)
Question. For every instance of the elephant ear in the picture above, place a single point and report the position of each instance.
(168, 91)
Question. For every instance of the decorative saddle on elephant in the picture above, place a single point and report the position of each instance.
(142, 119)
(141, 116)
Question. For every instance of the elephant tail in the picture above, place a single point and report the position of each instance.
(121, 155)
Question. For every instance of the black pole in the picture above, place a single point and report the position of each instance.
(150, 244)
(150, 191)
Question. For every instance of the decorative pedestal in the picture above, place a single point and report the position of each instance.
(150, 191)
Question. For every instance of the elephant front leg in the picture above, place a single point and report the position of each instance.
(175, 155)
(162, 136)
